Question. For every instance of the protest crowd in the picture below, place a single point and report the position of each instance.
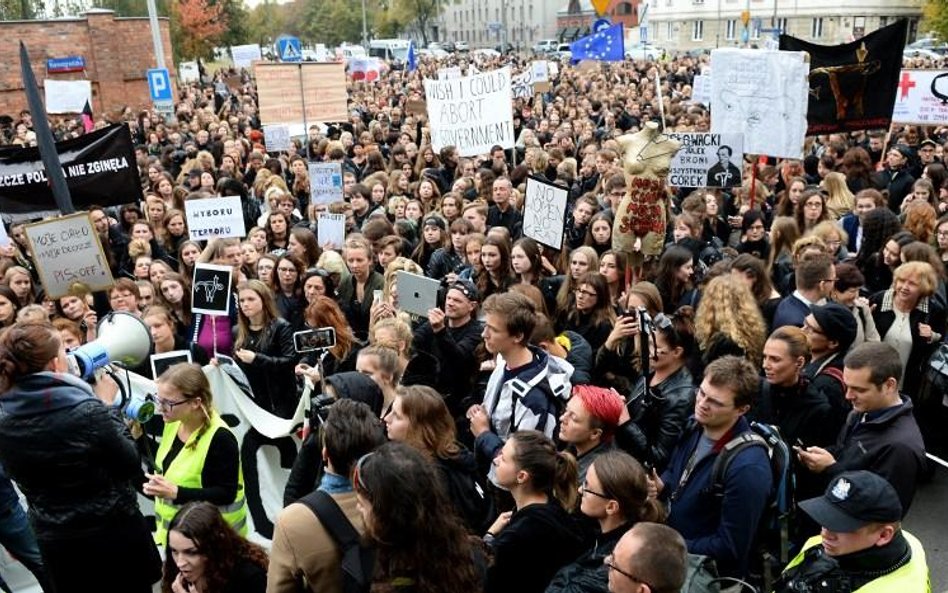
(747, 394)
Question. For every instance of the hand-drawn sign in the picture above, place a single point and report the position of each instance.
(544, 212)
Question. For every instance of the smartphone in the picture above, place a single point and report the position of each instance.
(376, 296)
(314, 339)
(800, 445)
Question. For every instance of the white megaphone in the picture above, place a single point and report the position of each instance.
(122, 338)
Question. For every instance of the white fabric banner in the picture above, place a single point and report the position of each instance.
(472, 113)
(245, 55)
(916, 101)
(67, 96)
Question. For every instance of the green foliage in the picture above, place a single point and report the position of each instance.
(936, 18)
(20, 10)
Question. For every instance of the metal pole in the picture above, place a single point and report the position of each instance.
(503, 16)
(717, 37)
(365, 30)
(156, 34)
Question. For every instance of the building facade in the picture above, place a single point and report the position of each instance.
(680, 25)
(116, 53)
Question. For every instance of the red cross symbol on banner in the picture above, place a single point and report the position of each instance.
(905, 85)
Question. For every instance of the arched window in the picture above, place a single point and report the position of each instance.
(623, 8)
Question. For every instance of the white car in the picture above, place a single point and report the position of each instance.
(461, 46)
(563, 52)
(910, 52)
(486, 52)
(643, 51)
(545, 46)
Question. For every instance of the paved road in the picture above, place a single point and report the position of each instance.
(928, 520)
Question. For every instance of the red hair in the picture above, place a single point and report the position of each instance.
(604, 406)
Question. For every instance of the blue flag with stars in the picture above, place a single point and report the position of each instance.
(412, 59)
(605, 46)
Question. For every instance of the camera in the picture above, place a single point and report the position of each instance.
(309, 340)
(319, 409)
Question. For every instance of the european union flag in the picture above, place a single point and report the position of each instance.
(412, 59)
(606, 46)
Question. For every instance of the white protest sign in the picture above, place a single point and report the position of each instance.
(210, 218)
(276, 137)
(554, 69)
(540, 71)
(67, 96)
(916, 101)
(762, 94)
(331, 228)
(544, 212)
(701, 91)
(449, 73)
(4, 238)
(472, 113)
(706, 160)
(66, 250)
(188, 72)
(325, 183)
(245, 55)
(522, 85)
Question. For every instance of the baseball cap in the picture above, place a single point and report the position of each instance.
(928, 142)
(853, 500)
(467, 288)
(837, 323)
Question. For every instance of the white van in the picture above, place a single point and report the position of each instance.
(389, 49)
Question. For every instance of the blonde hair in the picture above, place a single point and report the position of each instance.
(190, 380)
(920, 271)
(840, 200)
(728, 309)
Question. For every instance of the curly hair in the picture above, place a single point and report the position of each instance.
(415, 530)
(432, 428)
(202, 523)
(728, 309)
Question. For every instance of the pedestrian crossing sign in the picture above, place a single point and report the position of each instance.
(289, 49)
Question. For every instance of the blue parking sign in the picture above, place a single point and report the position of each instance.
(159, 84)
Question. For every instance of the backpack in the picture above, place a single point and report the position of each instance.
(772, 541)
(358, 562)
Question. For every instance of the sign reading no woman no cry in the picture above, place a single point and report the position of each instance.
(472, 113)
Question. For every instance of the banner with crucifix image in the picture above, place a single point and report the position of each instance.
(853, 86)
(210, 291)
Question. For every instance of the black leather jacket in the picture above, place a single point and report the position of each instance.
(271, 373)
(71, 455)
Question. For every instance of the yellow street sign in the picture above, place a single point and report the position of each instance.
(601, 6)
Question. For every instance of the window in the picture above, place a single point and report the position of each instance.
(731, 29)
(782, 25)
(697, 31)
(624, 8)
(816, 28)
(668, 30)
(755, 29)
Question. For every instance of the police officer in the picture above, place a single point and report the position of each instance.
(862, 547)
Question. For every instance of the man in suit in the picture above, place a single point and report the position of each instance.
(724, 173)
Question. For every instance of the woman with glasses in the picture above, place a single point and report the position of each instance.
(75, 462)
(593, 316)
(614, 493)
(810, 210)
(532, 543)
(198, 458)
(652, 420)
(421, 544)
(287, 287)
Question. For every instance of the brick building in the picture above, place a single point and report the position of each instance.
(117, 52)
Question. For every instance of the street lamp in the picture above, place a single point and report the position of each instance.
(365, 30)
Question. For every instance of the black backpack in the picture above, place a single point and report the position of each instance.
(358, 562)
(772, 540)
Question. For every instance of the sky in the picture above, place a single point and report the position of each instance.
(253, 3)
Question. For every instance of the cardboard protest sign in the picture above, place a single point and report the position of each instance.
(308, 92)
(472, 113)
(922, 97)
(67, 96)
(276, 137)
(162, 362)
(416, 107)
(763, 95)
(325, 183)
(540, 71)
(245, 55)
(331, 229)
(100, 169)
(544, 212)
(211, 218)
(188, 72)
(210, 291)
(706, 160)
(67, 251)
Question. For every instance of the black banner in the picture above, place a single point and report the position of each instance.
(100, 168)
(853, 86)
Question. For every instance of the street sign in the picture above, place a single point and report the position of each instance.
(289, 49)
(601, 25)
(601, 6)
(159, 85)
(643, 33)
(494, 26)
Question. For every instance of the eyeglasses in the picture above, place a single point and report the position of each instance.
(357, 473)
(610, 562)
(590, 293)
(584, 489)
(168, 404)
(811, 329)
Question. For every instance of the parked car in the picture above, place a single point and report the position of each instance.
(545, 46)
(505, 48)
(918, 52)
(486, 52)
(461, 46)
(929, 43)
(563, 52)
(643, 51)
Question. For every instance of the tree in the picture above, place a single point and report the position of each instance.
(236, 17)
(936, 18)
(20, 10)
(423, 11)
(196, 27)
